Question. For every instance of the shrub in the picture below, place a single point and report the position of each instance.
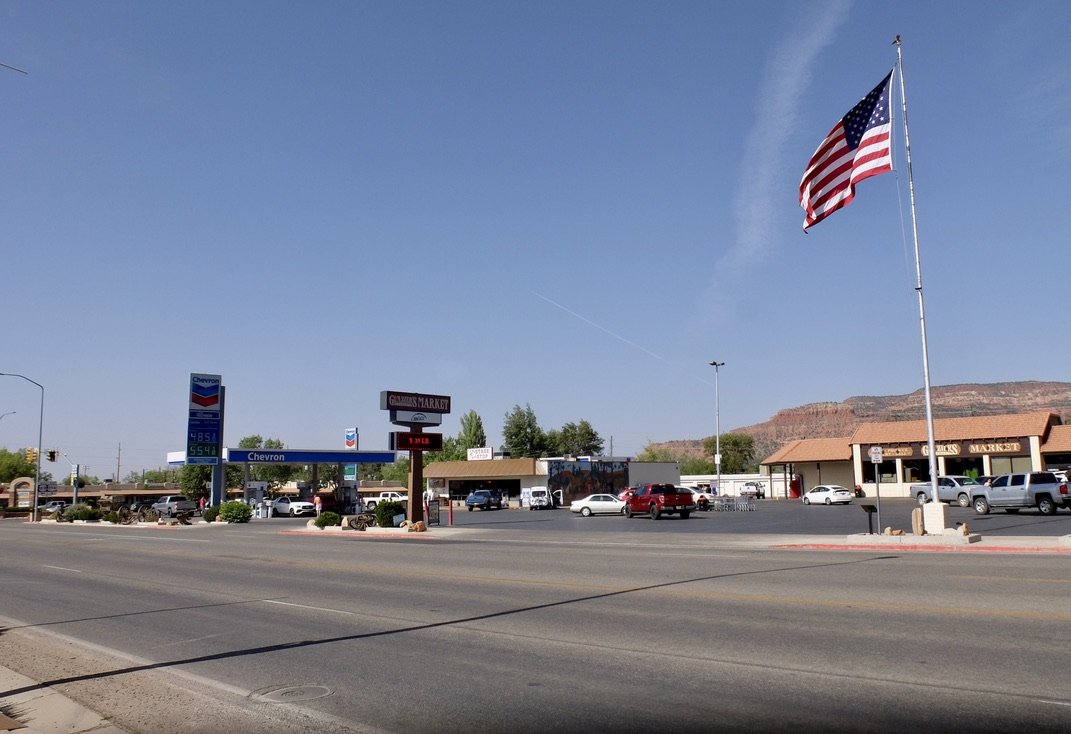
(209, 513)
(235, 511)
(112, 517)
(81, 512)
(385, 512)
(328, 519)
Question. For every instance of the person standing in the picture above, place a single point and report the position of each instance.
(316, 501)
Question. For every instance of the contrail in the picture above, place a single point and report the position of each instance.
(600, 328)
(615, 335)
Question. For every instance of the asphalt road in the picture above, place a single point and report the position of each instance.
(244, 628)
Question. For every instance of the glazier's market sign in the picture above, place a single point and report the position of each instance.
(389, 400)
(954, 448)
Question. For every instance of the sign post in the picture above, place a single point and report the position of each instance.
(876, 459)
(415, 410)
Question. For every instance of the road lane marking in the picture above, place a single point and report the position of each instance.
(1038, 580)
(306, 606)
(61, 568)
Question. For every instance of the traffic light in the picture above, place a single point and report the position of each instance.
(51, 454)
(31, 455)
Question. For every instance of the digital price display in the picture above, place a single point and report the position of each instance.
(401, 441)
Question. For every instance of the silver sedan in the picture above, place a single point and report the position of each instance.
(598, 504)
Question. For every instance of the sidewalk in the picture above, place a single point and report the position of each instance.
(44, 710)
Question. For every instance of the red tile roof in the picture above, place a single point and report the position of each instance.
(812, 449)
(956, 429)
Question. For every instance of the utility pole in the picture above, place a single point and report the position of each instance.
(717, 423)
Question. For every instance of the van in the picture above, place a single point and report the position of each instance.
(540, 499)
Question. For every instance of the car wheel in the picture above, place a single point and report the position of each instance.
(469, 508)
(627, 511)
(829, 501)
(704, 505)
(806, 501)
(981, 505)
(370, 506)
(586, 511)
(655, 512)
(292, 513)
(1046, 506)
(922, 498)
(964, 500)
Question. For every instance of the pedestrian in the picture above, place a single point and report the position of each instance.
(202, 505)
(316, 502)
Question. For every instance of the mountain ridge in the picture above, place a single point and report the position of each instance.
(834, 419)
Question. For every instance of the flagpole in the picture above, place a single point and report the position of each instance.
(918, 287)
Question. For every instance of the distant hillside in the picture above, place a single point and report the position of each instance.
(829, 420)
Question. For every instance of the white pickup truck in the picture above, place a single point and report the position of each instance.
(174, 505)
(373, 500)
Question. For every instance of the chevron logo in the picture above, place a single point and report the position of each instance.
(206, 396)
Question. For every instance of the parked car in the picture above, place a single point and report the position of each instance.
(485, 499)
(174, 505)
(657, 500)
(828, 494)
(292, 507)
(953, 488)
(753, 489)
(1012, 492)
(703, 498)
(598, 504)
(53, 506)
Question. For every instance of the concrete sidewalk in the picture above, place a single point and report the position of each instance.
(45, 710)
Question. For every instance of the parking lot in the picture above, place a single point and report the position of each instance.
(769, 516)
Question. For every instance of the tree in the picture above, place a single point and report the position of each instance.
(737, 452)
(472, 435)
(154, 476)
(13, 464)
(521, 434)
(396, 472)
(574, 439)
(194, 480)
(688, 464)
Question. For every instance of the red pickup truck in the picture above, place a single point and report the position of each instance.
(657, 500)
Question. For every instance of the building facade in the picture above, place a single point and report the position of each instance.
(974, 446)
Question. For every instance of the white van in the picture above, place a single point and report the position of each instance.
(540, 499)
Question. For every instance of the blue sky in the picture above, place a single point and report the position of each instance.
(571, 205)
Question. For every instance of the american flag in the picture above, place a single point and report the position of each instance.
(857, 147)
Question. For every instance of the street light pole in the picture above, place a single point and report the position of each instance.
(74, 478)
(40, 433)
(717, 423)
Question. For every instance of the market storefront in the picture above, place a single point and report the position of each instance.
(974, 446)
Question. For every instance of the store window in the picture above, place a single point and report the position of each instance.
(1009, 464)
(886, 471)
